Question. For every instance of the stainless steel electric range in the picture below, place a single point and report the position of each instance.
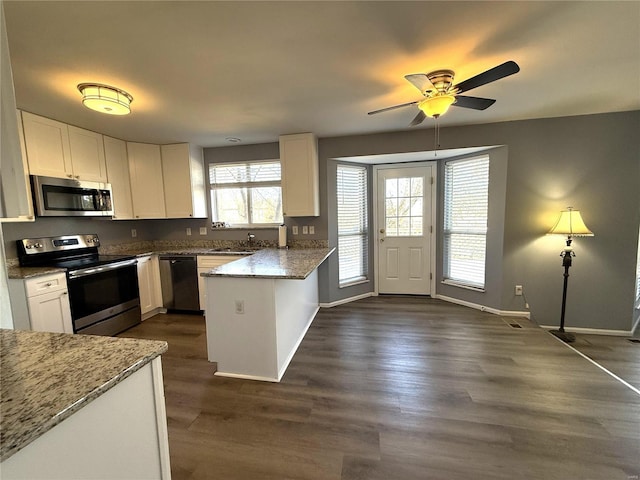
(103, 289)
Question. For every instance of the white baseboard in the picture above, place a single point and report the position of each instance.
(245, 377)
(591, 331)
(347, 300)
(483, 308)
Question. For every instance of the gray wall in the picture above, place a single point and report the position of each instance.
(590, 162)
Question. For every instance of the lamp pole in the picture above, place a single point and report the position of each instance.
(566, 263)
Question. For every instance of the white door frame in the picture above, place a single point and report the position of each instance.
(434, 218)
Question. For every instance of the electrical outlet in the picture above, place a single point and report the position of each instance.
(312, 230)
(294, 229)
(240, 307)
(203, 230)
(305, 230)
(188, 231)
(518, 290)
(134, 233)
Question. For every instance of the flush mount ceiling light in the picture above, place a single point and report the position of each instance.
(105, 99)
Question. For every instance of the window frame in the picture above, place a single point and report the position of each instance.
(248, 186)
(448, 232)
(362, 232)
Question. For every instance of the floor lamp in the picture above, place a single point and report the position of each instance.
(570, 224)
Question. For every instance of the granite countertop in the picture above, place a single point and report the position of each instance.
(274, 263)
(47, 377)
(17, 272)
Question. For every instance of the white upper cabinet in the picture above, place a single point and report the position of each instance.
(300, 183)
(147, 186)
(115, 152)
(15, 191)
(87, 155)
(47, 143)
(184, 185)
(55, 149)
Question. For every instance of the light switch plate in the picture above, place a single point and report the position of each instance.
(134, 233)
(294, 229)
(188, 231)
(312, 230)
(305, 230)
(203, 230)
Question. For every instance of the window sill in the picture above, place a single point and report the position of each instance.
(352, 283)
(463, 285)
(245, 227)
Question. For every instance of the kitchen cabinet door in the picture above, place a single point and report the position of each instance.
(48, 148)
(50, 312)
(184, 182)
(300, 183)
(147, 186)
(149, 285)
(87, 155)
(115, 152)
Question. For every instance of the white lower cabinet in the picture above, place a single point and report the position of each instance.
(149, 285)
(41, 303)
(206, 263)
(122, 434)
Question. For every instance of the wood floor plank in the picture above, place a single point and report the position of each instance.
(405, 388)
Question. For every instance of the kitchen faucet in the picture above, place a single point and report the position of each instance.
(250, 237)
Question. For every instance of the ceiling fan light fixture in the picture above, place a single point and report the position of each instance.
(437, 105)
(105, 99)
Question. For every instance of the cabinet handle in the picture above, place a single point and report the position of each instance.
(64, 293)
(48, 284)
(77, 176)
(69, 175)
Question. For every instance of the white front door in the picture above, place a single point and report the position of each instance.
(404, 224)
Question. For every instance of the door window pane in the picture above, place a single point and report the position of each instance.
(404, 206)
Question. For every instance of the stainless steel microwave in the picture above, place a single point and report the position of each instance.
(65, 197)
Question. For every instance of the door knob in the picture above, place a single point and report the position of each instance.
(382, 230)
(381, 240)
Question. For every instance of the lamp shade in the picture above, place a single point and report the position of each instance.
(570, 223)
(105, 99)
(436, 106)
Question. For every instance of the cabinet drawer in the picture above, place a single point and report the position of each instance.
(210, 261)
(45, 284)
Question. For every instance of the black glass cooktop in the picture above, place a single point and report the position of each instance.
(89, 261)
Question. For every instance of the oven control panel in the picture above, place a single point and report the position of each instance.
(31, 246)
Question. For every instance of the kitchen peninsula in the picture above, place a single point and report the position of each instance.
(259, 309)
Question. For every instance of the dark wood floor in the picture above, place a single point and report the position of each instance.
(400, 388)
(619, 355)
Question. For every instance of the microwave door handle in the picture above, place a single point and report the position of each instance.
(104, 268)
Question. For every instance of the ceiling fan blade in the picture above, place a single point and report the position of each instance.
(420, 81)
(392, 108)
(476, 103)
(418, 119)
(491, 75)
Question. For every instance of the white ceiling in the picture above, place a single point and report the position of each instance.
(204, 71)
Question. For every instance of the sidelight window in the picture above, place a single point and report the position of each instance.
(466, 203)
(246, 194)
(353, 226)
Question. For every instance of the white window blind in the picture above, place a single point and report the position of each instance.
(353, 228)
(246, 193)
(466, 201)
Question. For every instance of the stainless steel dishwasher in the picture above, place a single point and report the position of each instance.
(179, 281)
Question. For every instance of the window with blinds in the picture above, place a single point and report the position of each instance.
(353, 228)
(466, 202)
(245, 194)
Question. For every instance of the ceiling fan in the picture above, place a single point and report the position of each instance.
(440, 93)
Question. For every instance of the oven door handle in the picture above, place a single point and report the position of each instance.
(83, 272)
